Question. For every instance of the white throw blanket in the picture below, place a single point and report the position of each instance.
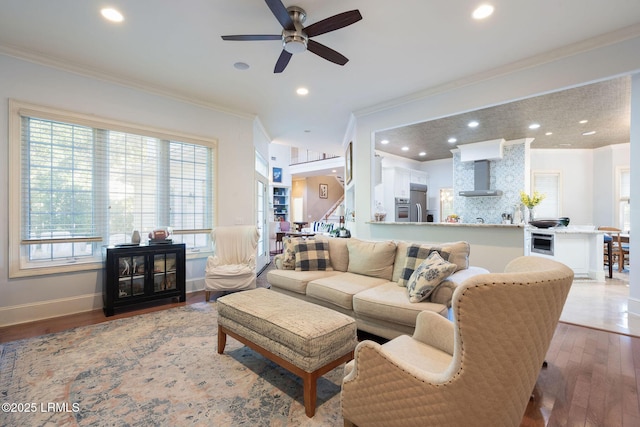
(234, 264)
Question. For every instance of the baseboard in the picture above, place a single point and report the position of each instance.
(633, 306)
(42, 310)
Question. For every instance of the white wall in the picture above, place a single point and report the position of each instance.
(440, 176)
(46, 296)
(576, 171)
(634, 255)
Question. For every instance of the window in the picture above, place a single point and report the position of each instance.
(79, 183)
(624, 199)
(547, 183)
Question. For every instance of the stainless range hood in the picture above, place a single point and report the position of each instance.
(480, 153)
(482, 177)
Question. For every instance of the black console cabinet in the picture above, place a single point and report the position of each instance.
(136, 274)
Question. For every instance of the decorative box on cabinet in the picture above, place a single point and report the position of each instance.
(136, 274)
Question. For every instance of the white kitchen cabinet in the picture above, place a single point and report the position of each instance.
(401, 182)
(581, 249)
(418, 177)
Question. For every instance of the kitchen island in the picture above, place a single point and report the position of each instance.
(492, 245)
(579, 247)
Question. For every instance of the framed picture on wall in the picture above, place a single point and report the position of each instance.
(277, 174)
(324, 191)
(348, 166)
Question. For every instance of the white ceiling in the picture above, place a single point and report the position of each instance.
(397, 49)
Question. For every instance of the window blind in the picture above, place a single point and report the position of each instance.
(548, 183)
(82, 187)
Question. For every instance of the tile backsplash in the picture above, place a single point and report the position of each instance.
(507, 174)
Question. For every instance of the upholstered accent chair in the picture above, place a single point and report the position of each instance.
(478, 370)
(233, 265)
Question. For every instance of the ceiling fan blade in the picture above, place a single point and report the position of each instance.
(281, 14)
(326, 53)
(332, 23)
(248, 37)
(282, 62)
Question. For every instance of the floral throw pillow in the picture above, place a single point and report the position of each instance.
(429, 274)
(289, 252)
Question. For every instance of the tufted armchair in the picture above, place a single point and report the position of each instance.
(233, 265)
(478, 370)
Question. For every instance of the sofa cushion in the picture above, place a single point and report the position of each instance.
(312, 255)
(295, 281)
(339, 253)
(429, 274)
(388, 302)
(373, 259)
(340, 289)
(414, 253)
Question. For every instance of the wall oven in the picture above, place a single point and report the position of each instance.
(542, 243)
(403, 208)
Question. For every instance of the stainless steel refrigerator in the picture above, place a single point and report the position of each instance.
(418, 203)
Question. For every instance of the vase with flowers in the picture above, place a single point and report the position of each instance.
(530, 202)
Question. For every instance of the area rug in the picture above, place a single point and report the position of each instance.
(156, 369)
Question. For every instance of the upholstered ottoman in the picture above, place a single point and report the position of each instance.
(304, 338)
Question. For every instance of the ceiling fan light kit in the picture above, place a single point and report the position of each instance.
(295, 37)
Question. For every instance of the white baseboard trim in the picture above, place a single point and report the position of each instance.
(42, 310)
(633, 306)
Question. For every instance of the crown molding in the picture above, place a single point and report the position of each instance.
(70, 67)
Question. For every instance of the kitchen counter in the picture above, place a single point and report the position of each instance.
(448, 224)
(565, 230)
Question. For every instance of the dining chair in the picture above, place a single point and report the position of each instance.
(623, 251)
(612, 234)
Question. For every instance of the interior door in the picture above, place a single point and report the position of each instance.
(261, 222)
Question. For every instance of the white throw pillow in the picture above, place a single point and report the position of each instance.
(429, 274)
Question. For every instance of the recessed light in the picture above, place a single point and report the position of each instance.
(483, 11)
(333, 171)
(473, 124)
(422, 153)
(549, 133)
(583, 121)
(302, 91)
(405, 148)
(452, 140)
(534, 126)
(112, 14)
(241, 66)
(589, 133)
(384, 142)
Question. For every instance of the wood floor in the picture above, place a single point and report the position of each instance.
(592, 378)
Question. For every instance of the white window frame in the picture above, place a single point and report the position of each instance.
(18, 264)
(542, 209)
(621, 198)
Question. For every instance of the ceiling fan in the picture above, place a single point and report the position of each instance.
(296, 38)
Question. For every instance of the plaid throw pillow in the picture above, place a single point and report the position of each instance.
(312, 255)
(415, 255)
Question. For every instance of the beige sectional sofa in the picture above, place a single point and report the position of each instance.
(361, 278)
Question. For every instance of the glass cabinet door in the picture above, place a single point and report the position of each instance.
(164, 272)
(130, 276)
